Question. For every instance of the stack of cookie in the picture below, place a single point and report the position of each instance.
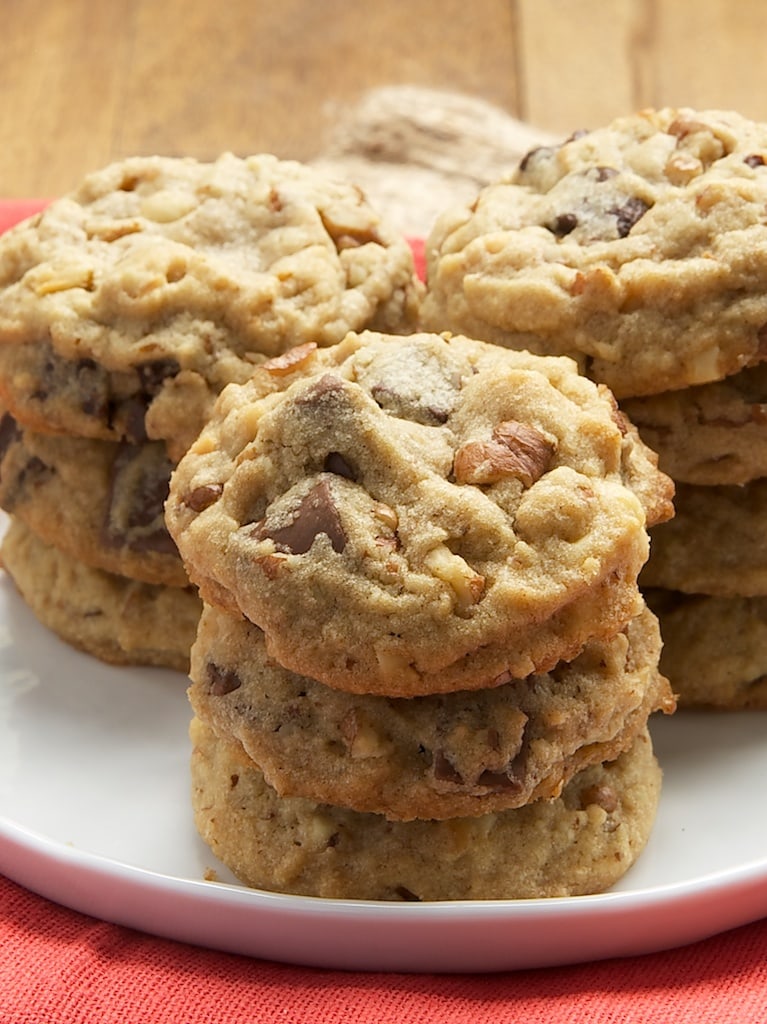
(424, 669)
(641, 250)
(124, 309)
(707, 577)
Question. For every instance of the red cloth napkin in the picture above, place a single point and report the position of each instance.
(60, 966)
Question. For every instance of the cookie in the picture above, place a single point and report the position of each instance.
(714, 648)
(456, 754)
(582, 842)
(639, 248)
(101, 502)
(116, 619)
(716, 544)
(127, 305)
(710, 434)
(418, 514)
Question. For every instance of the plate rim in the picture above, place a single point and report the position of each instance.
(281, 927)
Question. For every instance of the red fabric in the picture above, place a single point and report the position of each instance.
(58, 965)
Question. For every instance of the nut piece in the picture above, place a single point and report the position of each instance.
(467, 585)
(361, 738)
(286, 363)
(515, 450)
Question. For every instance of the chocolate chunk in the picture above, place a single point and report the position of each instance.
(499, 782)
(604, 796)
(336, 463)
(203, 497)
(222, 680)
(326, 388)
(9, 434)
(444, 770)
(534, 154)
(410, 407)
(138, 487)
(92, 388)
(407, 894)
(628, 214)
(316, 514)
(563, 224)
(152, 374)
(754, 160)
(132, 413)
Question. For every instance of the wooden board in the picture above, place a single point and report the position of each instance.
(83, 83)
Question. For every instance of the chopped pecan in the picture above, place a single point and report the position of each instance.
(514, 450)
(289, 361)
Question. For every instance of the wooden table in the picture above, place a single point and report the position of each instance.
(83, 82)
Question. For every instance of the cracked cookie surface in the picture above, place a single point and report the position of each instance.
(418, 514)
(126, 306)
(582, 842)
(435, 757)
(639, 248)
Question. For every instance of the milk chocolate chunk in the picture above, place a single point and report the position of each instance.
(316, 514)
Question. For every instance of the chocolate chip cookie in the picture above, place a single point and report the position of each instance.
(639, 248)
(113, 618)
(714, 648)
(710, 434)
(716, 544)
(101, 502)
(436, 757)
(126, 306)
(582, 842)
(420, 514)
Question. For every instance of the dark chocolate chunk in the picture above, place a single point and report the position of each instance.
(222, 680)
(628, 214)
(444, 770)
(92, 388)
(138, 488)
(203, 497)
(499, 782)
(152, 374)
(563, 224)
(9, 433)
(326, 388)
(316, 514)
(336, 463)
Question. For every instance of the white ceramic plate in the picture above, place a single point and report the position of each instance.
(94, 814)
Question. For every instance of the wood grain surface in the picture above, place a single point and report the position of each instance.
(83, 83)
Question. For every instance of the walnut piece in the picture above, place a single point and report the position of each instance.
(467, 584)
(514, 450)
